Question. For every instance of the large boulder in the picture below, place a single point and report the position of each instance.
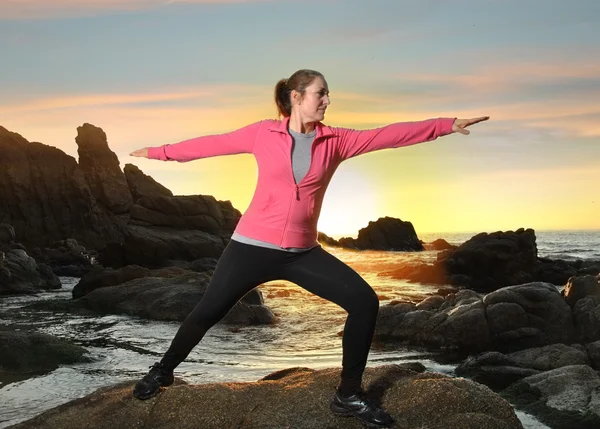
(581, 287)
(509, 319)
(293, 398)
(155, 247)
(528, 315)
(22, 274)
(487, 262)
(498, 370)
(385, 233)
(562, 398)
(23, 351)
(170, 298)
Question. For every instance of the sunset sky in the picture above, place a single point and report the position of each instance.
(150, 72)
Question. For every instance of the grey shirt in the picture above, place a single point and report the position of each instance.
(301, 148)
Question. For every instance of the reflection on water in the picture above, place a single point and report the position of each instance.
(122, 347)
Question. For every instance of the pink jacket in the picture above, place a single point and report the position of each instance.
(282, 212)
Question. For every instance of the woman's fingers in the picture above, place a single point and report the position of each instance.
(140, 152)
(460, 124)
(476, 120)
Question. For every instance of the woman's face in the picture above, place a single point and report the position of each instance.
(313, 104)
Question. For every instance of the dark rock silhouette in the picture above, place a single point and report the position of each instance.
(22, 351)
(386, 233)
(47, 196)
(487, 262)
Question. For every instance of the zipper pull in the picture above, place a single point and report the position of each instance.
(297, 193)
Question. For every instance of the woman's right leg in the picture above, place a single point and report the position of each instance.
(240, 268)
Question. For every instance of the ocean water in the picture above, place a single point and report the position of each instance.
(307, 333)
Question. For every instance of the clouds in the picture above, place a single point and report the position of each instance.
(43, 9)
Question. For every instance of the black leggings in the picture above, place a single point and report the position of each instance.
(242, 267)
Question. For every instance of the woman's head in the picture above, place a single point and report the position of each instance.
(305, 93)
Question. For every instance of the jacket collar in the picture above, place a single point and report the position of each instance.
(282, 127)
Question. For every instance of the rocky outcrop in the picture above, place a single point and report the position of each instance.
(21, 274)
(292, 398)
(487, 262)
(509, 319)
(47, 196)
(385, 233)
(23, 351)
(101, 171)
(501, 370)
(562, 398)
(141, 184)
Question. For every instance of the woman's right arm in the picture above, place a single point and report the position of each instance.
(238, 141)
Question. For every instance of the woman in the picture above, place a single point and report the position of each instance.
(276, 238)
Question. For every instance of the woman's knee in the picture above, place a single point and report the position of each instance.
(366, 302)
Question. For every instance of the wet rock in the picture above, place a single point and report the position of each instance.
(563, 398)
(27, 352)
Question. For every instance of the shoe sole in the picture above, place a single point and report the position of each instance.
(341, 412)
(153, 394)
(144, 397)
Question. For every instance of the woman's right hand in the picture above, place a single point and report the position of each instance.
(143, 152)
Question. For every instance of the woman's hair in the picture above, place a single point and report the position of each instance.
(298, 81)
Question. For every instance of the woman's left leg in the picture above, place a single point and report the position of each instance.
(323, 274)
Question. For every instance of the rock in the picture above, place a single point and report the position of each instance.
(550, 357)
(528, 315)
(439, 244)
(141, 184)
(7, 233)
(562, 398)
(154, 247)
(21, 274)
(586, 315)
(65, 257)
(431, 303)
(28, 352)
(293, 398)
(493, 369)
(385, 233)
(47, 196)
(509, 319)
(327, 240)
(168, 298)
(593, 350)
(104, 277)
(100, 167)
(487, 262)
(50, 197)
(581, 287)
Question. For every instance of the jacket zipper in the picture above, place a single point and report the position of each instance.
(296, 188)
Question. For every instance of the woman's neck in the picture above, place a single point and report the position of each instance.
(297, 125)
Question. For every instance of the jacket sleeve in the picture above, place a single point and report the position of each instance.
(239, 141)
(357, 142)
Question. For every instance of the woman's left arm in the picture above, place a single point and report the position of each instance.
(358, 142)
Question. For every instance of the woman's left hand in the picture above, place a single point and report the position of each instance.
(459, 125)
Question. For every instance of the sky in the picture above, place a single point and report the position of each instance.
(154, 72)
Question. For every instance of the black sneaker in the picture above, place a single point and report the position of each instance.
(150, 385)
(358, 406)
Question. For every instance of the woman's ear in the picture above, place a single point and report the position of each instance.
(296, 97)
